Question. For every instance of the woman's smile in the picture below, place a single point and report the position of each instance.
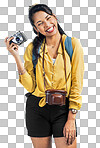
(50, 30)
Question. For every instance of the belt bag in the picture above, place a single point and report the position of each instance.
(54, 96)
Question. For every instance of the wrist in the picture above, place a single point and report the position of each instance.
(21, 72)
(71, 116)
(20, 67)
(74, 111)
(16, 57)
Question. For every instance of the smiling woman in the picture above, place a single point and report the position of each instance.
(50, 62)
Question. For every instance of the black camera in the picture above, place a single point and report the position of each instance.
(18, 39)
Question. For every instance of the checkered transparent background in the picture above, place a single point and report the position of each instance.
(78, 18)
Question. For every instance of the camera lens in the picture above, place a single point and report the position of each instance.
(17, 39)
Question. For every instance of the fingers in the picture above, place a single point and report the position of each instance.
(15, 47)
(64, 132)
(11, 45)
(66, 135)
(5, 39)
(70, 136)
(12, 48)
(10, 39)
(67, 131)
(74, 133)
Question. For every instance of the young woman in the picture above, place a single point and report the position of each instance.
(42, 119)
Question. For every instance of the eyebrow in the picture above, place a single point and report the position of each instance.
(40, 21)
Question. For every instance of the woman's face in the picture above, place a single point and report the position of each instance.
(45, 24)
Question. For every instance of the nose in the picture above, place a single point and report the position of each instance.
(46, 24)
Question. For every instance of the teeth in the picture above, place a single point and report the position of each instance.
(50, 29)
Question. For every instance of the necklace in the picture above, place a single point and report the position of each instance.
(52, 46)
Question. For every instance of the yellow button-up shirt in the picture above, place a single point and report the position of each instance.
(55, 74)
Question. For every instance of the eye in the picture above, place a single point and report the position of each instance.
(39, 24)
(48, 18)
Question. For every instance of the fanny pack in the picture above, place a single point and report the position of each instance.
(55, 96)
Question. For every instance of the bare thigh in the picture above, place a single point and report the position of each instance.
(60, 143)
(42, 142)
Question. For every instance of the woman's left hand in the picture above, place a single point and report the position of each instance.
(69, 131)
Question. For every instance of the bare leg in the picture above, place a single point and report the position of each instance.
(60, 143)
(42, 142)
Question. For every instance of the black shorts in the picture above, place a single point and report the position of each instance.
(47, 120)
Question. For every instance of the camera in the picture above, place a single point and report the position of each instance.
(18, 39)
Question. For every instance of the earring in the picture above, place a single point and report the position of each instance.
(38, 33)
(37, 29)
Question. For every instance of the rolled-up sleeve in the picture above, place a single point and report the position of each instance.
(77, 74)
(28, 79)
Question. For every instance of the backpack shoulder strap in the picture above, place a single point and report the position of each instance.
(68, 47)
(34, 57)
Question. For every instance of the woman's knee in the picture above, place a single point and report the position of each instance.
(60, 142)
(44, 142)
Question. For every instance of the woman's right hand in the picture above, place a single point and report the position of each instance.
(12, 48)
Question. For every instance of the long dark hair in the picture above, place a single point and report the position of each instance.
(37, 41)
